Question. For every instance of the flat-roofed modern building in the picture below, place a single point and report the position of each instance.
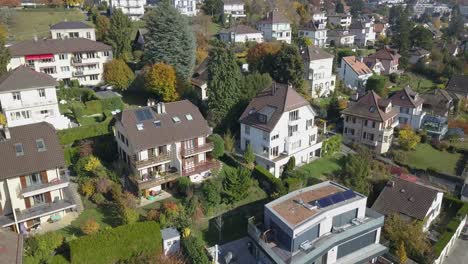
(325, 223)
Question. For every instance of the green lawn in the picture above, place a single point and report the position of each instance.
(418, 82)
(27, 23)
(323, 168)
(425, 156)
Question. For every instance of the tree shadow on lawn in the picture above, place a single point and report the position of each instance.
(110, 214)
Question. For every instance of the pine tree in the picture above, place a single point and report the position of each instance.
(236, 184)
(249, 156)
(224, 84)
(402, 38)
(4, 53)
(119, 34)
(170, 40)
(288, 67)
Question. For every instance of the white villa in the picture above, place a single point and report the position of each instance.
(135, 9)
(316, 32)
(233, 9)
(185, 7)
(72, 29)
(319, 71)
(275, 26)
(354, 72)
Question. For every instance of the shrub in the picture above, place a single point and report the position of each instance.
(77, 110)
(218, 142)
(98, 198)
(184, 184)
(153, 215)
(92, 164)
(103, 185)
(194, 249)
(116, 191)
(128, 215)
(41, 247)
(120, 243)
(89, 227)
(70, 135)
(127, 200)
(111, 104)
(293, 183)
(93, 107)
(274, 187)
(87, 188)
(394, 77)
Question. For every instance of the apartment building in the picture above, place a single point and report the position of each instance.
(34, 188)
(72, 29)
(186, 7)
(409, 106)
(342, 20)
(241, 34)
(316, 32)
(233, 9)
(363, 30)
(370, 121)
(279, 124)
(389, 58)
(134, 9)
(318, 71)
(163, 142)
(325, 223)
(340, 38)
(354, 72)
(63, 59)
(28, 97)
(275, 26)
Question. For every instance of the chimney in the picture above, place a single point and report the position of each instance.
(273, 88)
(391, 184)
(35, 38)
(150, 102)
(160, 108)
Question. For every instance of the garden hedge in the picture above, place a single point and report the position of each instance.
(275, 185)
(120, 243)
(70, 135)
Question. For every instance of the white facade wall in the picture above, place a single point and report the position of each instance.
(185, 7)
(135, 9)
(413, 118)
(365, 36)
(241, 38)
(87, 33)
(302, 144)
(343, 21)
(434, 211)
(350, 78)
(67, 66)
(234, 10)
(318, 37)
(277, 31)
(33, 108)
(321, 77)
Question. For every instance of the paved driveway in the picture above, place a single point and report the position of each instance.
(459, 253)
(239, 250)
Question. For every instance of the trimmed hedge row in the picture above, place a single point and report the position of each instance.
(273, 186)
(116, 244)
(70, 135)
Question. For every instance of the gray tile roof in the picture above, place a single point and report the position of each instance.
(169, 233)
(23, 78)
(169, 131)
(370, 106)
(54, 46)
(406, 98)
(312, 53)
(70, 25)
(274, 17)
(405, 197)
(240, 29)
(458, 84)
(11, 245)
(272, 102)
(32, 160)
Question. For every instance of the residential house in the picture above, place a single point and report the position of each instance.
(275, 26)
(436, 33)
(64, 59)
(370, 121)
(322, 223)
(318, 71)
(411, 200)
(72, 29)
(241, 34)
(162, 143)
(458, 87)
(186, 7)
(418, 54)
(340, 38)
(315, 31)
(438, 102)
(233, 9)
(422, 7)
(319, 17)
(134, 9)
(387, 56)
(342, 20)
(409, 106)
(354, 72)
(171, 241)
(435, 126)
(363, 30)
(200, 79)
(380, 30)
(34, 187)
(279, 124)
(28, 97)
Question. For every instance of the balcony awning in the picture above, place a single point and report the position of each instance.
(39, 57)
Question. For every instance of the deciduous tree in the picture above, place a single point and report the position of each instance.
(288, 67)
(421, 37)
(120, 34)
(170, 40)
(408, 139)
(161, 80)
(102, 27)
(356, 171)
(254, 83)
(118, 74)
(261, 56)
(376, 83)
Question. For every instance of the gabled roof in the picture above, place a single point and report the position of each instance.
(169, 233)
(32, 160)
(385, 54)
(311, 26)
(312, 53)
(70, 25)
(272, 103)
(438, 101)
(359, 67)
(168, 131)
(54, 46)
(200, 74)
(404, 197)
(407, 98)
(379, 27)
(274, 17)
(240, 29)
(371, 106)
(458, 84)
(23, 78)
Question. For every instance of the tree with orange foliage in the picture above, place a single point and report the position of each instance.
(261, 56)
(10, 3)
(161, 80)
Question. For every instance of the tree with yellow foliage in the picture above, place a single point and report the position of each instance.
(93, 164)
(3, 120)
(161, 80)
(118, 74)
(408, 139)
(401, 253)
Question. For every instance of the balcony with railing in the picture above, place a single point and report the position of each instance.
(83, 61)
(154, 179)
(187, 152)
(152, 160)
(55, 184)
(201, 167)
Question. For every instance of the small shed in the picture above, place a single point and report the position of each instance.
(171, 240)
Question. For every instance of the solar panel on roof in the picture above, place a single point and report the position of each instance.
(348, 194)
(337, 198)
(143, 114)
(324, 202)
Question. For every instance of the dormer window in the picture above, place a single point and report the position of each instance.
(372, 109)
(19, 149)
(157, 123)
(176, 119)
(40, 145)
(262, 118)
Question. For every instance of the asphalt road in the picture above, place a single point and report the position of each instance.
(459, 253)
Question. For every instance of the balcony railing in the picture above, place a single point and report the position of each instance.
(201, 167)
(33, 189)
(208, 146)
(153, 160)
(152, 180)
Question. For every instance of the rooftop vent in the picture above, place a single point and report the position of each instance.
(157, 123)
(402, 190)
(176, 119)
(411, 199)
(151, 102)
(391, 184)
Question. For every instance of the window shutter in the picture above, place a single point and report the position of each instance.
(27, 202)
(44, 177)
(23, 181)
(48, 197)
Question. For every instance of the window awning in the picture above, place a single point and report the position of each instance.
(39, 57)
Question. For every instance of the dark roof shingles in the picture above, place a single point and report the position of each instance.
(54, 46)
(23, 78)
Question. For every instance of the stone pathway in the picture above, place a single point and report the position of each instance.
(64, 222)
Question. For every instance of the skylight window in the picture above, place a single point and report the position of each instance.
(139, 127)
(372, 109)
(157, 123)
(189, 117)
(176, 119)
(19, 149)
(40, 145)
